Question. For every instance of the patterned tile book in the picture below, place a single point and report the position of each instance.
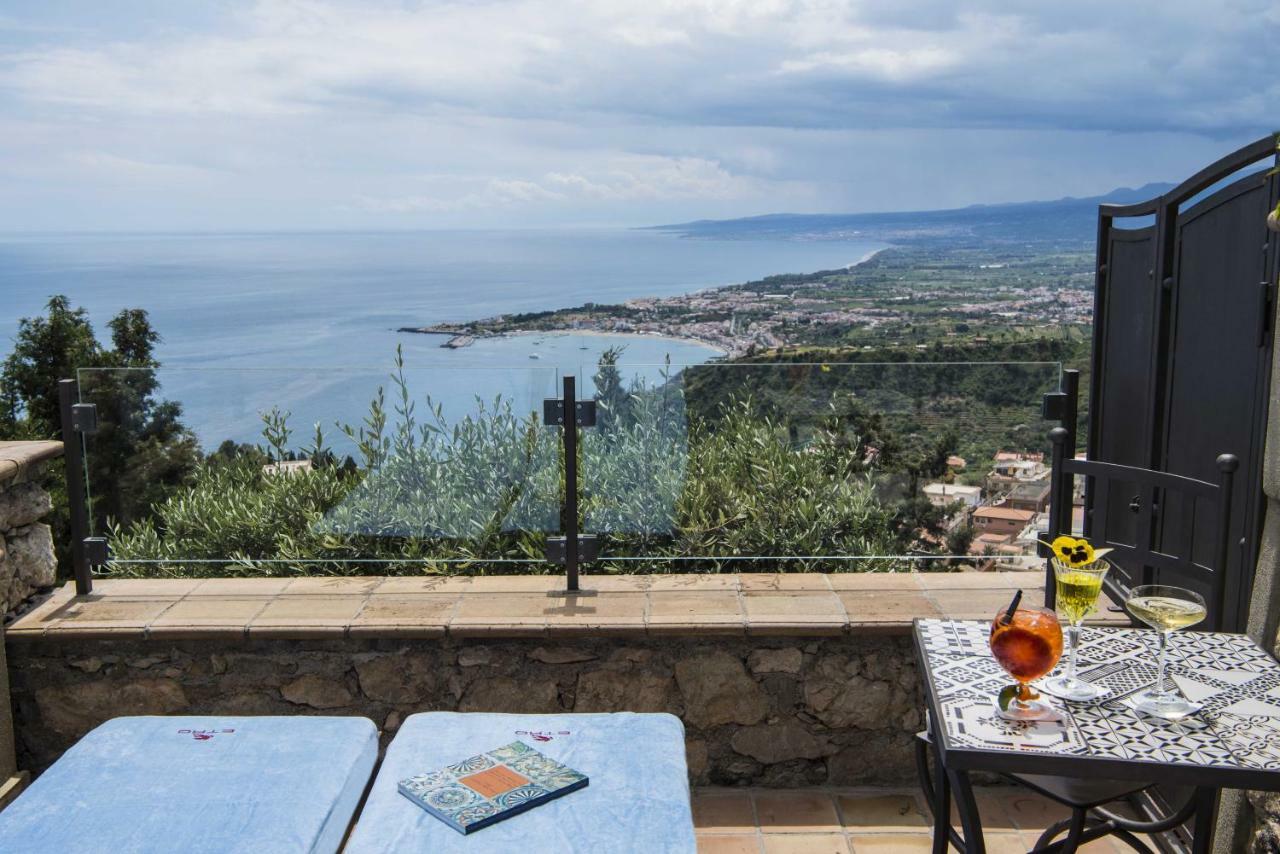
(492, 786)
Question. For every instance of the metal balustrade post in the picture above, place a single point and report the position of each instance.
(73, 456)
(570, 397)
(569, 414)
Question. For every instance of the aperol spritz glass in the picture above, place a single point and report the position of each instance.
(1027, 644)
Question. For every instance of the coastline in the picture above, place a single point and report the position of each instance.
(604, 333)
(619, 320)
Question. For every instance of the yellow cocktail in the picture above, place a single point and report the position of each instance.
(1078, 589)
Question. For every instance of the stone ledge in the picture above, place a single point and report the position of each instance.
(528, 606)
(17, 458)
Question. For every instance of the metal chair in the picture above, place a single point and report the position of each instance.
(1162, 510)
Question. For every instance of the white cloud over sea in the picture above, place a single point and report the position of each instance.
(338, 113)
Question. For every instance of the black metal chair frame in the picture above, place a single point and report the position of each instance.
(1088, 819)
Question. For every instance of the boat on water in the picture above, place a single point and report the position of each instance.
(534, 356)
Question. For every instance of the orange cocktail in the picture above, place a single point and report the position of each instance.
(1027, 644)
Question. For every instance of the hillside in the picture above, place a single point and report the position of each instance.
(1063, 220)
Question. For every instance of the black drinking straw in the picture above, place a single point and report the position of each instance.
(1013, 606)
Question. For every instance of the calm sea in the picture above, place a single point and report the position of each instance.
(307, 321)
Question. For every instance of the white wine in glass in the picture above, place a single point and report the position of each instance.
(1165, 609)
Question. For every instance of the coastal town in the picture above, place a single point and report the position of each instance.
(1007, 511)
(900, 297)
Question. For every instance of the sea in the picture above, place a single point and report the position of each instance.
(307, 322)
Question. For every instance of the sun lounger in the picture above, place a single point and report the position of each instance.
(198, 784)
(638, 798)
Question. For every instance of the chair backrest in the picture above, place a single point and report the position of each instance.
(1162, 528)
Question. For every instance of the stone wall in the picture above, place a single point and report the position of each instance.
(27, 561)
(763, 711)
(1260, 831)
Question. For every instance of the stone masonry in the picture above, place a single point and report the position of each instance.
(757, 711)
(27, 562)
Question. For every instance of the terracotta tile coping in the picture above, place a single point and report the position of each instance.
(521, 606)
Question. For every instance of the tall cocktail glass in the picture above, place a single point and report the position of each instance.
(1078, 590)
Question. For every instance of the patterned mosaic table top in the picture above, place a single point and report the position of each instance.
(1235, 681)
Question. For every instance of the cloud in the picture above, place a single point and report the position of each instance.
(625, 109)
(744, 63)
(625, 179)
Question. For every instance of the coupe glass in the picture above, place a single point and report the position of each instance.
(1027, 647)
(1166, 609)
(1078, 591)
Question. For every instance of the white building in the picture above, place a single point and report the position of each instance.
(943, 494)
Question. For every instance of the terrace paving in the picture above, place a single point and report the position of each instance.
(862, 821)
(757, 604)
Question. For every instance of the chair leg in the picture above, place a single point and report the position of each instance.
(1072, 842)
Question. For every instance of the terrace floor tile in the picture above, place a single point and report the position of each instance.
(874, 813)
(736, 843)
(723, 812)
(800, 811)
(891, 843)
(805, 843)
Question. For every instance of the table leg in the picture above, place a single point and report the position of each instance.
(941, 807)
(967, 805)
(1206, 817)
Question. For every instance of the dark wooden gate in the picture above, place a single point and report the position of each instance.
(1182, 355)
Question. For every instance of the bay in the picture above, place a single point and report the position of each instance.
(307, 321)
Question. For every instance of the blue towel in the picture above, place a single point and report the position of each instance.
(198, 784)
(638, 799)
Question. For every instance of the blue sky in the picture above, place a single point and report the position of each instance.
(288, 114)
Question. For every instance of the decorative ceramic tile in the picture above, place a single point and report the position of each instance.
(1236, 683)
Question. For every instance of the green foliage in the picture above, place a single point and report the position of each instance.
(438, 497)
(141, 452)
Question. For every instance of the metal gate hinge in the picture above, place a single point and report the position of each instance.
(588, 549)
(553, 412)
(84, 418)
(1054, 406)
(96, 551)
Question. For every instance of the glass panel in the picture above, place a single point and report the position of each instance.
(817, 466)
(282, 471)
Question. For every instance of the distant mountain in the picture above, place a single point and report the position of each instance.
(1061, 220)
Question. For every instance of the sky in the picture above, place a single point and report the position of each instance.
(337, 114)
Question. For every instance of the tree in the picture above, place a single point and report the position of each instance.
(141, 451)
(46, 349)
